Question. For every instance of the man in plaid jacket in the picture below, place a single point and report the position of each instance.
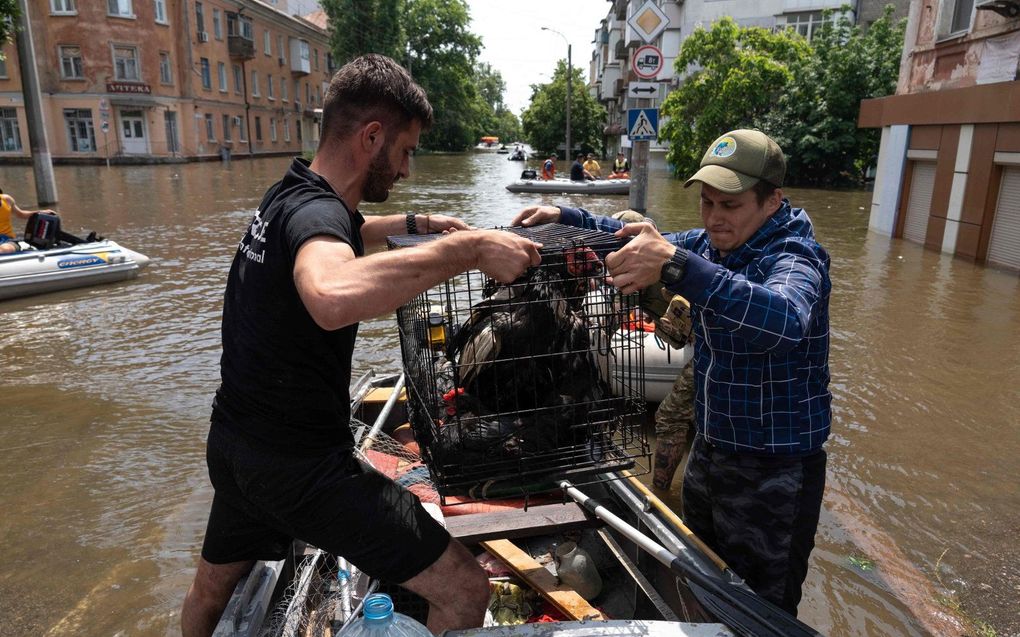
(758, 284)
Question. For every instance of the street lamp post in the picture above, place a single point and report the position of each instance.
(570, 81)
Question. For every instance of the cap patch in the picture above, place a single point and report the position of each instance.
(725, 147)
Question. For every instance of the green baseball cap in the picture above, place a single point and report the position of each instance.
(738, 160)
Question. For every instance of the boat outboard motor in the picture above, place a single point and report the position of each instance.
(529, 174)
(42, 231)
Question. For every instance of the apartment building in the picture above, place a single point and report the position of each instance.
(168, 80)
(616, 41)
(949, 166)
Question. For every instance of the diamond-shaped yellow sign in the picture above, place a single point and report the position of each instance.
(648, 21)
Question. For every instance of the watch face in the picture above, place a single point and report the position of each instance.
(671, 272)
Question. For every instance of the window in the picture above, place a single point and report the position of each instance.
(308, 93)
(247, 30)
(160, 7)
(286, 129)
(242, 130)
(65, 7)
(238, 79)
(267, 43)
(165, 70)
(962, 9)
(80, 132)
(318, 95)
(316, 59)
(210, 134)
(807, 23)
(272, 129)
(254, 83)
(119, 8)
(283, 88)
(200, 17)
(258, 128)
(10, 136)
(70, 62)
(217, 24)
(125, 64)
(297, 129)
(206, 75)
(279, 49)
(3, 68)
(269, 87)
(226, 128)
(221, 71)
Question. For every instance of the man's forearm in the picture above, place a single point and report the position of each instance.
(376, 229)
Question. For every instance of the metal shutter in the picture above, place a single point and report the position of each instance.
(922, 183)
(1004, 245)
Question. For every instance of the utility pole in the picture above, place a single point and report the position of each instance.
(570, 82)
(639, 172)
(42, 163)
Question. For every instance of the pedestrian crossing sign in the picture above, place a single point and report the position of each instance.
(642, 124)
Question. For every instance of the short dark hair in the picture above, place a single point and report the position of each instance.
(372, 87)
(763, 190)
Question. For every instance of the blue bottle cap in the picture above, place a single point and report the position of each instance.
(378, 607)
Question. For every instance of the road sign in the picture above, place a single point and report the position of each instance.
(643, 90)
(647, 62)
(104, 126)
(642, 124)
(648, 21)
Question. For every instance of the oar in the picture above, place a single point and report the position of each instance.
(737, 607)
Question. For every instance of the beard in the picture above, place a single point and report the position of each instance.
(380, 178)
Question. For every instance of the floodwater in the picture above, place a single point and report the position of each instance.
(103, 490)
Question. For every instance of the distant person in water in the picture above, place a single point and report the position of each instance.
(8, 210)
(577, 171)
(621, 167)
(549, 167)
(593, 167)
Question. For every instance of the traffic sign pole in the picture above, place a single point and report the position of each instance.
(639, 174)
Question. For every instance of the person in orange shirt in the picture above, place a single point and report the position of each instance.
(8, 210)
(549, 167)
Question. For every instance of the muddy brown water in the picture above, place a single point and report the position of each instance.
(103, 491)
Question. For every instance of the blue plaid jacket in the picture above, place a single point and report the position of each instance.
(761, 324)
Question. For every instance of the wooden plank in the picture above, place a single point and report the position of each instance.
(382, 394)
(545, 519)
(565, 599)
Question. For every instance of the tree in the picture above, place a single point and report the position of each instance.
(739, 75)
(494, 118)
(9, 15)
(545, 121)
(365, 26)
(816, 122)
(441, 57)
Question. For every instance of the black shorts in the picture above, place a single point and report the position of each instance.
(265, 499)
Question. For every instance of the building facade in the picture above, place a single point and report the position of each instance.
(611, 70)
(167, 80)
(949, 166)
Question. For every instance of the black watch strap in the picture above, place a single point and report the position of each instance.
(412, 224)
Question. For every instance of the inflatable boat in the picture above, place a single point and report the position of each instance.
(600, 187)
(52, 260)
(662, 362)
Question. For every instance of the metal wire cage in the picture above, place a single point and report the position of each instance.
(512, 387)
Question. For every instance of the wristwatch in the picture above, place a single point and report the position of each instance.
(673, 269)
(412, 224)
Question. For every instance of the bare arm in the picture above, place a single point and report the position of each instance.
(23, 214)
(339, 289)
(376, 229)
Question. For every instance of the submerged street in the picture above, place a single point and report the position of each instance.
(103, 484)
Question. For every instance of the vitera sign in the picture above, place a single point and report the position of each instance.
(128, 87)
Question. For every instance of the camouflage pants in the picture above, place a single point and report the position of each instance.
(674, 419)
(759, 513)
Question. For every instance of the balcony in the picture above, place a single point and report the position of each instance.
(240, 47)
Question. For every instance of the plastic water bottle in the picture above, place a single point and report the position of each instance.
(379, 620)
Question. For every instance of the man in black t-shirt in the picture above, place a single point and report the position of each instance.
(280, 452)
(577, 171)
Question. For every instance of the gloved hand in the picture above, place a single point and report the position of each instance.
(674, 327)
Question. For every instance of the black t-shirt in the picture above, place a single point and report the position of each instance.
(284, 380)
(576, 171)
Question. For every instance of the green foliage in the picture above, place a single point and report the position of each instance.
(9, 16)
(741, 74)
(441, 57)
(494, 118)
(365, 26)
(545, 120)
(805, 95)
(816, 122)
